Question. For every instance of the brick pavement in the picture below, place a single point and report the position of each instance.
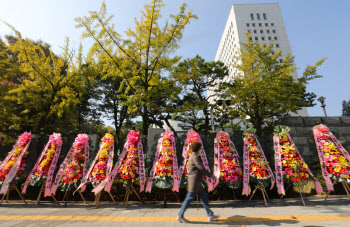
(317, 212)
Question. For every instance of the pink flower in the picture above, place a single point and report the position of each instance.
(133, 137)
(222, 136)
(193, 136)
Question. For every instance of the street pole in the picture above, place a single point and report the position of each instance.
(322, 100)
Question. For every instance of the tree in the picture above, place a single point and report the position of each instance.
(195, 76)
(46, 98)
(109, 97)
(346, 108)
(264, 88)
(10, 77)
(143, 57)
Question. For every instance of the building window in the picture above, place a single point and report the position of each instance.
(268, 31)
(275, 37)
(274, 31)
(263, 38)
(269, 37)
(261, 31)
(255, 31)
(266, 24)
(247, 24)
(258, 16)
(264, 16)
(260, 24)
(251, 38)
(281, 61)
(277, 45)
(256, 38)
(272, 24)
(253, 24)
(252, 16)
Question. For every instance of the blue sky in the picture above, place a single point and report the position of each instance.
(316, 29)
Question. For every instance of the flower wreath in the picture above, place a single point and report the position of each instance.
(15, 162)
(334, 159)
(130, 167)
(74, 166)
(256, 167)
(226, 161)
(45, 166)
(288, 160)
(102, 164)
(164, 172)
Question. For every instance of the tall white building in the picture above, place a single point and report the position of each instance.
(265, 22)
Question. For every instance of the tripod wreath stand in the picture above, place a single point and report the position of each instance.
(13, 186)
(129, 190)
(346, 188)
(263, 191)
(166, 192)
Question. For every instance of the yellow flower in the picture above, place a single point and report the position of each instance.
(75, 180)
(254, 168)
(287, 176)
(161, 174)
(72, 174)
(78, 170)
(221, 174)
(226, 161)
(307, 175)
(82, 164)
(93, 173)
(169, 174)
(346, 176)
(101, 171)
(305, 166)
(133, 180)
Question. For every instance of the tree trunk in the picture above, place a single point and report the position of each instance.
(206, 123)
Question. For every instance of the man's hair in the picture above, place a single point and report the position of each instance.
(196, 146)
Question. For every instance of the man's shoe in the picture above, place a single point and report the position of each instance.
(182, 219)
(213, 217)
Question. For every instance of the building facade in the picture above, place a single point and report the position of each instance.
(265, 23)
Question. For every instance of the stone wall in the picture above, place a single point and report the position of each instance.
(302, 134)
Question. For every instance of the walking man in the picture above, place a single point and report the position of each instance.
(196, 171)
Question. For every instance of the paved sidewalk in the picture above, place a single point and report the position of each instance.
(317, 212)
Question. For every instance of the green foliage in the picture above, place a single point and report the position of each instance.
(195, 77)
(264, 88)
(346, 108)
(141, 58)
(45, 99)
